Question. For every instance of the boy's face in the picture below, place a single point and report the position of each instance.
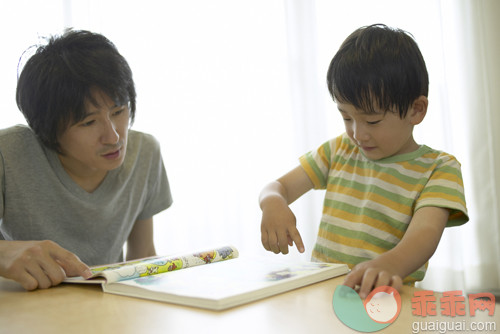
(380, 135)
(98, 143)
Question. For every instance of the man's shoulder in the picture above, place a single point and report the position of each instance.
(21, 149)
(139, 135)
(142, 146)
(16, 130)
(16, 136)
(142, 138)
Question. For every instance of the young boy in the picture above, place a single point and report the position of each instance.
(387, 199)
(77, 183)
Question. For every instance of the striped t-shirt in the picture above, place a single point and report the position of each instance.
(369, 204)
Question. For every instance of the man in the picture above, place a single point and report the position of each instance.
(77, 183)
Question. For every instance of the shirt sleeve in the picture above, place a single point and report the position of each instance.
(159, 196)
(317, 164)
(445, 189)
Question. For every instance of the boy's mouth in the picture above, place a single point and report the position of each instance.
(367, 148)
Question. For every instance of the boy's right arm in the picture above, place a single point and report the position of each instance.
(39, 264)
(278, 227)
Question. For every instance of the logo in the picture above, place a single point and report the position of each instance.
(380, 309)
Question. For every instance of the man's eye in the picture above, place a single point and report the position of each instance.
(88, 123)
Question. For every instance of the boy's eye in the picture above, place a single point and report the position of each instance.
(118, 112)
(373, 122)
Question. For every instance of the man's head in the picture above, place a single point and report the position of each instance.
(378, 68)
(59, 81)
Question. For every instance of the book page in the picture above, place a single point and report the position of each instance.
(228, 283)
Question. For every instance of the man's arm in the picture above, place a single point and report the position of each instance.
(140, 242)
(415, 248)
(278, 227)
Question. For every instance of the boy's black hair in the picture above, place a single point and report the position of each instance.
(57, 80)
(378, 67)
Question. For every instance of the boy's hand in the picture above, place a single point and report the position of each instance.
(278, 227)
(369, 275)
(387, 269)
(39, 264)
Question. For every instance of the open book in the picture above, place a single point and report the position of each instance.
(220, 285)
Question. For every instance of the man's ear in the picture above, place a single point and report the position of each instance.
(418, 110)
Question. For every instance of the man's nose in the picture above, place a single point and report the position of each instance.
(110, 134)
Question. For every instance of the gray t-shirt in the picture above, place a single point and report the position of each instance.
(39, 200)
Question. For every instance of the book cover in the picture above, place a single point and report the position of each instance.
(116, 272)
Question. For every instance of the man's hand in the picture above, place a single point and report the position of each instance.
(39, 264)
(370, 275)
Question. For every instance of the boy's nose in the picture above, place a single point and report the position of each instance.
(360, 133)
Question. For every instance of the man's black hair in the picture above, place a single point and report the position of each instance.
(56, 82)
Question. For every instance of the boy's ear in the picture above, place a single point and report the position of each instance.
(418, 110)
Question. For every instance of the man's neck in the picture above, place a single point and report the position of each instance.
(89, 180)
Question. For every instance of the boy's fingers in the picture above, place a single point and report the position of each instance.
(264, 238)
(353, 278)
(368, 282)
(383, 279)
(371, 278)
(277, 241)
(397, 282)
(295, 236)
(283, 242)
(273, 243)
(265, 243)
(365, 279)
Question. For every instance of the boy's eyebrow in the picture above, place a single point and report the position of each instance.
(363, 112)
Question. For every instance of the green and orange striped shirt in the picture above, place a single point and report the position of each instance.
(369, 204)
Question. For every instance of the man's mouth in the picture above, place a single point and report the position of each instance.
(112, 155)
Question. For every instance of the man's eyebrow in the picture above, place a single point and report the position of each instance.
(95, 112)
(88, 114)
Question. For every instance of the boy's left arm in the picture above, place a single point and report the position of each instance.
(415, 248)
(140, 242)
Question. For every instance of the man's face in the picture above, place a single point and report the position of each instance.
(379, 135)
(98, 143)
